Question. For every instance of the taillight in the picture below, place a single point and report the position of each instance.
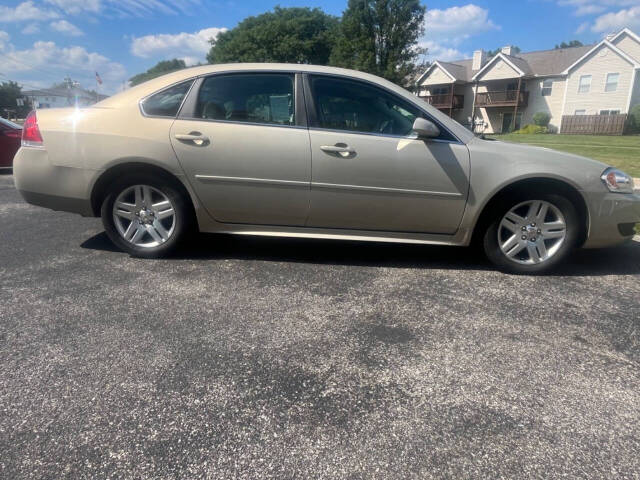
(30, 132)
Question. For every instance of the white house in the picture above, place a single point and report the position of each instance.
(502, 93)
(60, 97)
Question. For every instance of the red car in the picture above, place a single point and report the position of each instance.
(10, 136)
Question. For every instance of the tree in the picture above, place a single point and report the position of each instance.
(514, 51)
(571, 44)
(381, 37)
(9, 93)
(165, 66)
(288, 35)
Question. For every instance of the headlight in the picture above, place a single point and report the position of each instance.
(617, 181)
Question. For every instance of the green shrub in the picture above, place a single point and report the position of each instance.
(531, 130)
(541, 119)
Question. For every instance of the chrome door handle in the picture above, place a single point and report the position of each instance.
(194, 137)
(337, 149)
(341, 150)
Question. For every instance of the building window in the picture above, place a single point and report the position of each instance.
(547, 88)
(580, 112)
(612, 82)
(440, 91)
(609, 112)
(585, 84)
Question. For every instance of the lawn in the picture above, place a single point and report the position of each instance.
(622, 152)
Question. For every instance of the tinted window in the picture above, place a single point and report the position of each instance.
(360, 107)
(167, 102)
(252, 98)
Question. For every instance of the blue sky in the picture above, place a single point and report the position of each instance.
(42, 41)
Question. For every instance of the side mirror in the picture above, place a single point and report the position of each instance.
(425, 128)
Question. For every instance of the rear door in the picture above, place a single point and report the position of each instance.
(242, 140)
(370, 172)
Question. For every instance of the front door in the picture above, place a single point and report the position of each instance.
(369, 173)
(243, 149)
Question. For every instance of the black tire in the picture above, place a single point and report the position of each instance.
(503, 262)
(183, 215)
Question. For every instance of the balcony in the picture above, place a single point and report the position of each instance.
(444, 101)
(504, 98)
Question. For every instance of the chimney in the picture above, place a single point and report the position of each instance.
(479, 59)
(507, 50)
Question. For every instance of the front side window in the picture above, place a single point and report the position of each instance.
(609, 112)
(580, 112)
(585, 84)
(354, 106)
(167, 102)
(547, 88)
(612, 82)
(263, 98)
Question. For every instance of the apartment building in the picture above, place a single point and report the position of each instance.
(502, 93)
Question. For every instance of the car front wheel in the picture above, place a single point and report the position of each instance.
(145, 217)
(531, 234)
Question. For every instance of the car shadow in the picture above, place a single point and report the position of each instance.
(623, 260)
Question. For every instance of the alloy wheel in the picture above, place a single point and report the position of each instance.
(144, 216)
(532, 232)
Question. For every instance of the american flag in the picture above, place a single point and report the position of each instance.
(98, 79)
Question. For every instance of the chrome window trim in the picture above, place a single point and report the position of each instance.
(142, 100)
(237, 122)
(387, 135)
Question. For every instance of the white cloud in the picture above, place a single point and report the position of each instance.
(4, 40)
(584, 26)
(75, 7)
(457, 23)
(30, 29)
(611, 22)
(440, 52)
(126, 8)
(66, 28)
(446, 29)
(46, 63)
(25, 11)
(190, 45)
(584, 10)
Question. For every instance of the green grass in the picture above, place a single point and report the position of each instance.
(622, 152)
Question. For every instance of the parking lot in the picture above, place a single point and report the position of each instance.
(273, 358)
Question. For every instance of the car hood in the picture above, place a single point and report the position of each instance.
(527, 161)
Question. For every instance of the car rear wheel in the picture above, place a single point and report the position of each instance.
(145, 217)
(531, 234)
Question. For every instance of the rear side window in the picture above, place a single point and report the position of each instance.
(249, 98)
(167, 102)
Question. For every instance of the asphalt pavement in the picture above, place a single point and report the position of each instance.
(256, 358)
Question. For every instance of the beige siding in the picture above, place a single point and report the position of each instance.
(498, 71)
(601, 62)
(463, 115)
(629, 46)
(436, 77)
(551, 104)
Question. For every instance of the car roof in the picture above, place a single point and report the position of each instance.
(135, 94)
